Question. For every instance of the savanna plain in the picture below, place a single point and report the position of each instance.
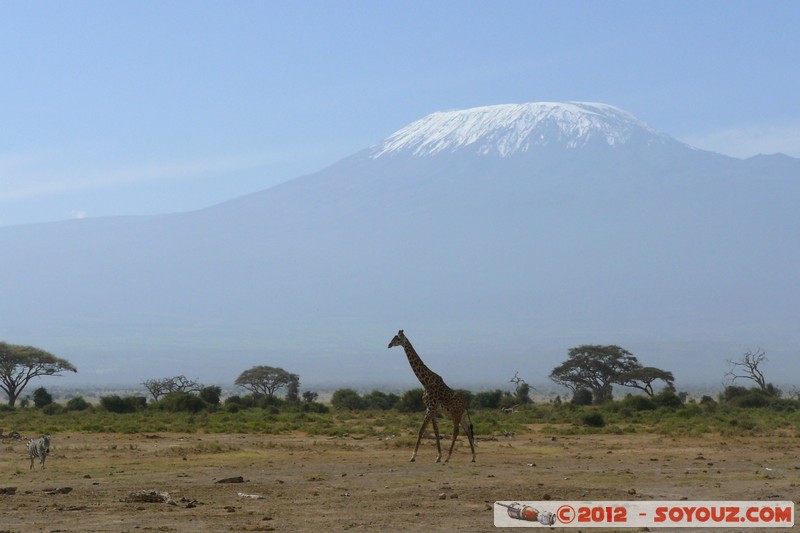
(274, 470)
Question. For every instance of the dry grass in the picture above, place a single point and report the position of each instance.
(313, 483)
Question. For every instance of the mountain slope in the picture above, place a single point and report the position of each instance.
(498, 238)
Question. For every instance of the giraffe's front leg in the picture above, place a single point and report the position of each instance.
(470, 436)
(419, 437)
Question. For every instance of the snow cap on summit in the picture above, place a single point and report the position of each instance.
(511, 128)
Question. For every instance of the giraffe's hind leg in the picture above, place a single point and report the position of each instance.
(470, 436)
(456, 422)
(438, 439)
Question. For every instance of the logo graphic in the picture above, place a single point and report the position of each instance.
(650, 514)
(529, 514)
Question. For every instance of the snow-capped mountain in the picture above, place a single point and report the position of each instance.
(497, 237)
(510, 129)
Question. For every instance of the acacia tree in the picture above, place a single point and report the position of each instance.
(20, 364)
(156, 387)
(266, 380)
(642, 378)
(596, 368)
(160, 387)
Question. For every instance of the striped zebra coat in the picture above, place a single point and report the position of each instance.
(38, 448)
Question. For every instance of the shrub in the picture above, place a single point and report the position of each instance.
(253, 400)
(41, 398)
(487, 399)
(582, 397)
(594, 420)
(271, 403)
(347, 399)
(210, 394)
(668, 398)
(53, 409)
(731, 392)
(77, 404)
(310, 396)
(756, 397)
(380, 400)
(752, 398)
(639, 403)
(314, 407)
(411, 401)
(522, 394)
(467, 395)
(128, 404)
(708, 403)
(181, 402)
(236, 400)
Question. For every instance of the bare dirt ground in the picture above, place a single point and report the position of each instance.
(301, 483)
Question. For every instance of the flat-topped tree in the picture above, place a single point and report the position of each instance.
(265, 380)
(158, 388)
(20, 364)
(596, 368)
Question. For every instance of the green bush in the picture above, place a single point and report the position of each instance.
(268, 402)
(668, 398)
(639, 403)
(53, 409)
(236, 400)
(380, 400)
(211, 394)
(756, 397)
(77, 404)
(181, 402)
(732, 392)
(594, 419)
(253, 400)
(752, 398)
(347, 399)
(582, 397)
(411, 401)
(467, 395)
(509, 400)
(41, 398)
(314, 407)
(487, 399)
(128, 404)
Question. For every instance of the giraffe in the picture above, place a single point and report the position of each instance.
(436, 396)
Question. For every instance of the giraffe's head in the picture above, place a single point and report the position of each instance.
(398, 339)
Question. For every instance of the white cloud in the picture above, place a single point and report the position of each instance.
(750, 140)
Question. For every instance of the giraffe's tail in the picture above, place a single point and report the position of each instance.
(471, 430)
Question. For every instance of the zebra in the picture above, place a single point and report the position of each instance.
(38, 448)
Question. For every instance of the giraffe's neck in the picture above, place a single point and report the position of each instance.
(424, 374)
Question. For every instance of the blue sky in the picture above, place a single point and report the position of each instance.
(112, 108)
